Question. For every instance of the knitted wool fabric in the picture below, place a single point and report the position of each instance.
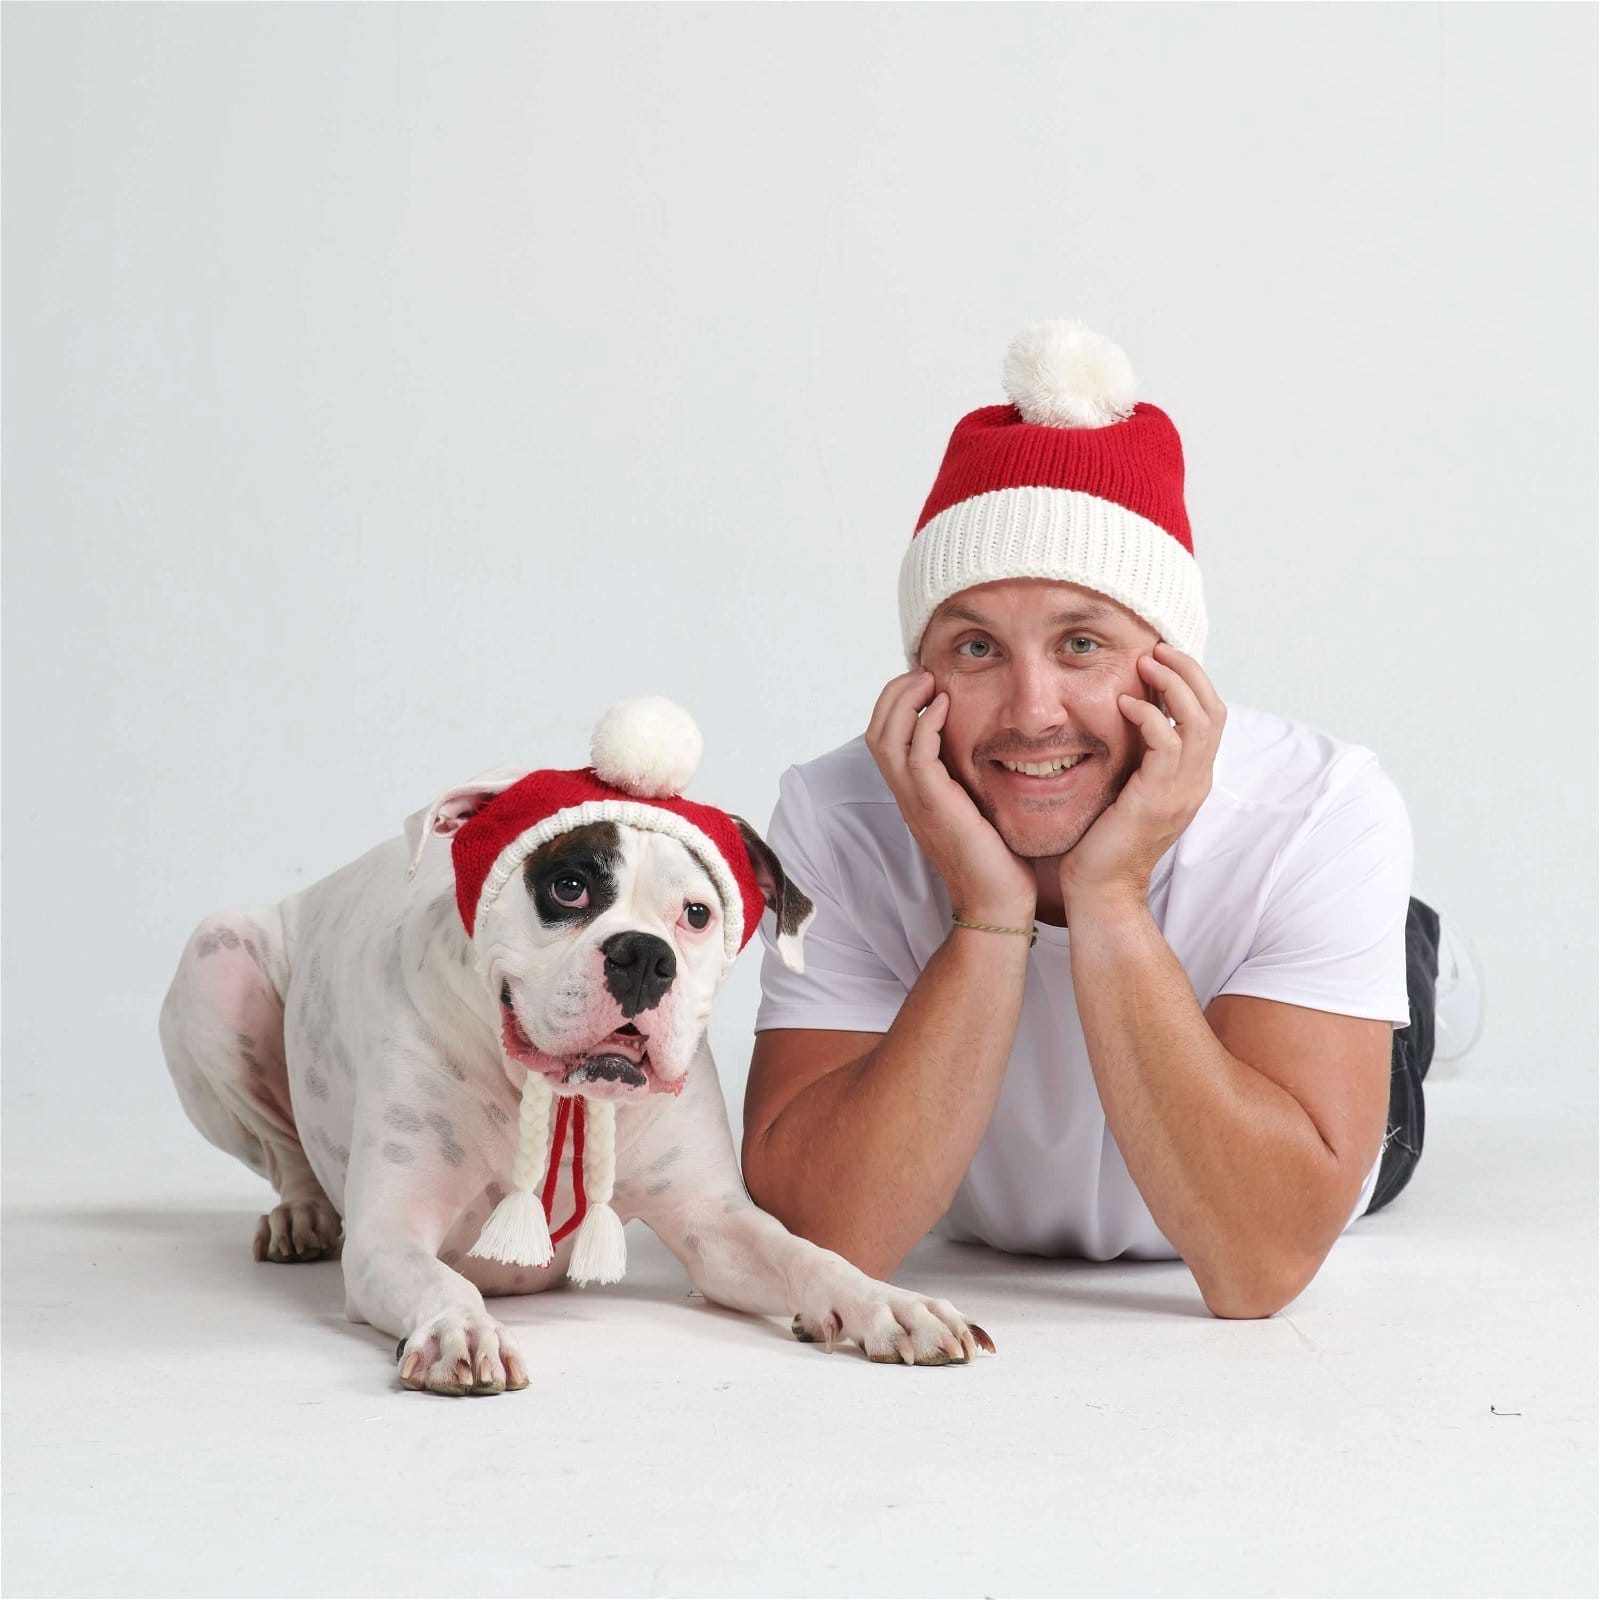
(1098, 504)
(490, 848)
(644, 752)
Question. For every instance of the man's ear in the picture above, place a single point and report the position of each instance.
(454, 807)
(789, 905)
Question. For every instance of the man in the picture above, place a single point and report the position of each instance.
(1099, 966)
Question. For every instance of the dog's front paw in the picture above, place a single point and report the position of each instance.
(461, 1353)
(892, 1325)
(304, 1230)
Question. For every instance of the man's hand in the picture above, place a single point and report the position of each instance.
(1121, 848)
(987, 883)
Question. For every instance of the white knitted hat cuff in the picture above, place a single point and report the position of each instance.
(634, 814)
(1062, 534)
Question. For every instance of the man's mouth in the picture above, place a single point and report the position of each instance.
(1041, 779)
(1043, 769)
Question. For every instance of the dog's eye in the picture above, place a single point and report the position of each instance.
(696, 915)
(569, 890)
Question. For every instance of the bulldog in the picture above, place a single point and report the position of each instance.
(434, 1058)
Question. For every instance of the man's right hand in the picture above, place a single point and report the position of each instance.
(986, 882)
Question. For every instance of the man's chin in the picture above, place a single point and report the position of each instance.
(1041, 834)
(1041, 830)
(1034, 844)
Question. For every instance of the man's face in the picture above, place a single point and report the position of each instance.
(1033, 669)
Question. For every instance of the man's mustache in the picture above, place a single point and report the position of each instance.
(1025, 749)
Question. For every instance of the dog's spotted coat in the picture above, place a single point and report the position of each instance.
(350, 1044)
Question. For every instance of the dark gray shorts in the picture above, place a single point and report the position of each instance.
(1408, 1062)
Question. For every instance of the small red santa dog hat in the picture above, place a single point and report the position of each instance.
(643, 754)
(1072, 481)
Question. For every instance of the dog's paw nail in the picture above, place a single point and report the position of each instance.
(400, 1351)
(984, 1341)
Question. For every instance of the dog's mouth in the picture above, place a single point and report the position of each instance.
(616, 1067)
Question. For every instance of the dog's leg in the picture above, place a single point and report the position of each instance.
(222, 1032)
(683, 1180)
(415, 1172)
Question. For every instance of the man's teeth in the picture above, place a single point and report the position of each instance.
(1043, 769)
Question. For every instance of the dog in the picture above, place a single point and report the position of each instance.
(387, 1048)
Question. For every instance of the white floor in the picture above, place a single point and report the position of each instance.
(179, 1420)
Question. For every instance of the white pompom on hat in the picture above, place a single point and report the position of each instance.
(1074, 481)
(1064, 375)
(648, 746)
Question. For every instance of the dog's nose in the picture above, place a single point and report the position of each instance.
(639, 970)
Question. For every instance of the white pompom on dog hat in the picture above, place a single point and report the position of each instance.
(643, 754)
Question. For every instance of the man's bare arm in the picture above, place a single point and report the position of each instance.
(1248, 1128)
(859, 1141)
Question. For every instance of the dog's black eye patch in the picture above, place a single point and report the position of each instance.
(577, 866)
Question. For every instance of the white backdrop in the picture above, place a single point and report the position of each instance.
(389, 389)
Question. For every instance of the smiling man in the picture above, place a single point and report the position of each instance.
(1100, 967)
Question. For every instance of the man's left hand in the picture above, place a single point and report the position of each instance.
(1121, 848)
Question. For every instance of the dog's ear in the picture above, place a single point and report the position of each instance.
(789, 905)
(454, 807)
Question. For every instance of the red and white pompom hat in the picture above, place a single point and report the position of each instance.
(643, 754)
(1073, 481)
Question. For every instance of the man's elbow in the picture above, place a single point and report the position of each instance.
(1262, 1289)
(760, 1176)
(773, 1189)
(776, 1193)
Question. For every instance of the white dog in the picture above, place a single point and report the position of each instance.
(392, 1049)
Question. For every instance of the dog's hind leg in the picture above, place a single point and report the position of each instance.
(222, 1031)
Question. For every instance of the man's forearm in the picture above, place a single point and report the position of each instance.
(865, 1160)
(1234, 1171)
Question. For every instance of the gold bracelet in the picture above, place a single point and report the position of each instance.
(990, 927)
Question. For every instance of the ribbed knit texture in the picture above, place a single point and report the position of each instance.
(1059, 534)
(1137, 463)
(492, 845)
(1100, 507)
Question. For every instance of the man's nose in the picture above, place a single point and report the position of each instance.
(1033, 699)
(639, 969)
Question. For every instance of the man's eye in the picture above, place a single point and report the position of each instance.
(570, 891)
(981, 649)
(1081, 646)
(696, 915)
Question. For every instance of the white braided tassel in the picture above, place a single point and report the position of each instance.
(518, 1232)
(599, 1254)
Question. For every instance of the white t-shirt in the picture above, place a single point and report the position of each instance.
(1290, 884)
